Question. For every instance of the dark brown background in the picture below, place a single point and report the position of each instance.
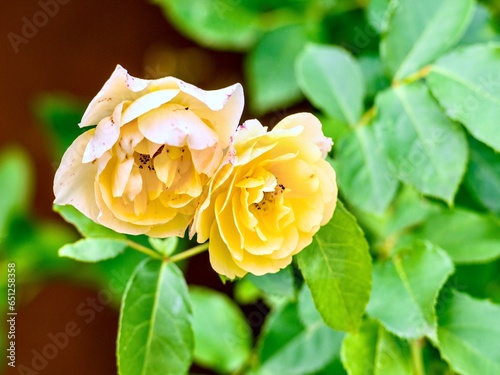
(75, 52)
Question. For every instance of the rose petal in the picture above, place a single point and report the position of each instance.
(312, 130)
(118, 88)
(146, 103)
(74, 180)
(165, 168)
(172, 125)
(223, 108)
(106, 134)
(220, 257)
(121, 176)
(261, 265)
(207, 160)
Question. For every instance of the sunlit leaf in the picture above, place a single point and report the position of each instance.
(364, 174)
(332, 80)
(410, 42)
(337, 269)
(85, 226)
(270, 69)
(93, 249)
(428, 150)
(223, 338)
(468, 334)
(467, 236)
(373, 350)
(155, 333)
(466, 84)
(165, 246)
(405, 290)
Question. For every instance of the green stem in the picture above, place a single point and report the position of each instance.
(367, 117)
(153, 254)
(189, 253)
(143, 249)
(422, 73)
(416, 357)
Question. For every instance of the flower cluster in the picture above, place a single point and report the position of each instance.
(166, 155)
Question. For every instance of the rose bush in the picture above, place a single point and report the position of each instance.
(271, 194)
(156, 144)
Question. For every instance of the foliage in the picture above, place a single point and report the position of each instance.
(409, 92)
(404, 278)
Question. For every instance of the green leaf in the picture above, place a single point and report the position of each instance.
(334, 367)
(466, 84)
(155, 334)
(479, 280)
(373, 350)
(60, 115)
(93, 249)
(165, 246)
(270, 5)
(223, 338)
(410, 42)
(373, 74)
(308, 314)
(282, 325)
(287, 347)
(337, 269)
(85, 226)
(406, 287)
(467, 237)
(279, 284)
(483, 175)
(332, 80)
(346, 27)
(427, 149)
(468, 334)
(270, 69)
(115, 273)
(215, 24)
(16, 183)
(410, 208)
(482, 27)
(245, 293)
(364, 175)
(378, 12)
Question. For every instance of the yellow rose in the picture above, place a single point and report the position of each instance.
(271, 194)
(157, 142)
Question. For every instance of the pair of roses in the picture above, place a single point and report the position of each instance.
(166, 155)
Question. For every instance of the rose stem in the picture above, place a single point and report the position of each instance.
(189, 253)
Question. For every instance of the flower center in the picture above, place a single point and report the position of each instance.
(269, 198)
(145, 161)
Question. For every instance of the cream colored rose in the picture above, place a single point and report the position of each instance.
(157, 142)
(271, 195)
